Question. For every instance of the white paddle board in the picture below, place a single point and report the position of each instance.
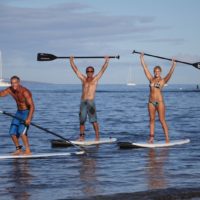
(87, 142)
(40, 155)
(156, 144)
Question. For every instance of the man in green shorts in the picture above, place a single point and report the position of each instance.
(89, 85)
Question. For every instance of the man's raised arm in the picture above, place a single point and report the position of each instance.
(75, 69)
(104, 67)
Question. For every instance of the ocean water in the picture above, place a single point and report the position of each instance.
(106, 169)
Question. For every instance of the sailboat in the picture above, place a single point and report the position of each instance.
(130, 78)
(2, 82)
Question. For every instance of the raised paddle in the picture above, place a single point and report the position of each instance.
(50, 57)
(196, 65)
(44, 129)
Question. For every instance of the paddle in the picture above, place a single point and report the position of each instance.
(44, 129)
(196, 65)
(50, 57)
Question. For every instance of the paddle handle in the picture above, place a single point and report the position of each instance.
(146, 54)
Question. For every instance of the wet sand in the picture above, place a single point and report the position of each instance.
(162, 194)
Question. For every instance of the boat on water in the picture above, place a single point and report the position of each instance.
(130, 78)
(131, 84)
(2, 82)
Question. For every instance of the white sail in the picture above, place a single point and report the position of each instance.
(130, 78)
(2, 82)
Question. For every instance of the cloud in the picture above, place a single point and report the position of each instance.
(171, 41)
(69, 29)
(67, 22)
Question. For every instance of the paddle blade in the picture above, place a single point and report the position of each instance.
(118, 57)
(45, 57)
(134, 52)
(197, 65)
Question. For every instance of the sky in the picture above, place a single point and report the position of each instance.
(98, 28)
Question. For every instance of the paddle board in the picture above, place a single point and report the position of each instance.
(87, 142)
(156, 144)
(40, 155)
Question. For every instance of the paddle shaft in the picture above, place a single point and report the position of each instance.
(41, 128)
(89, 57)
(50, 57)
(146, 54)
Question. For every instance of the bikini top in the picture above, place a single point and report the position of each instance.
(156, 85)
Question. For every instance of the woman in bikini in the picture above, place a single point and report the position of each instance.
(156, 101)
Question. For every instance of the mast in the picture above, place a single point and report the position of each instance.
(1, 66)
(130, 77)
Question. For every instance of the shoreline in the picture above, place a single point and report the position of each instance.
(158, 194)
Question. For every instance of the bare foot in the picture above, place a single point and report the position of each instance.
(151, 140)
(17, 152)
(82, 137)
(27, 152)
(167, 140)
(97, 138)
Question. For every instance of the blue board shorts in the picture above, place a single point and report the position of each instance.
(87, 107)
(17, 126)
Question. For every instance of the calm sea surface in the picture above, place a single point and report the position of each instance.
(122, 114)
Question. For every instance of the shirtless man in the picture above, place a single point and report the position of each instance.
(87, 106)
(25, 105)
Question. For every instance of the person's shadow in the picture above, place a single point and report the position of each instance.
(155, 168)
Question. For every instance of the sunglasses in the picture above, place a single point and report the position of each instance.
(89, 71)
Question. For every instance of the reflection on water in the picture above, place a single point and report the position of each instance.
(20, 179)
(122, 114)
(155, 168)
(88, 174)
